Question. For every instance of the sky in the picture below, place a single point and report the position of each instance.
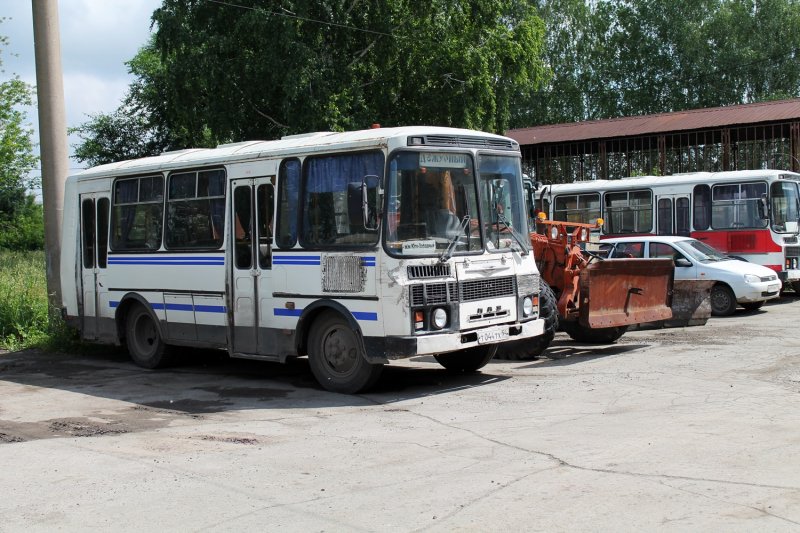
(97, 38)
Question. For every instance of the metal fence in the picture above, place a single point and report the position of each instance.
(775, 145)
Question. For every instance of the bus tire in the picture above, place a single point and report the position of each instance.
(723, 302)
(533, 348)
(468, 360)
(143, 339)
(581, 333)
(336, 356)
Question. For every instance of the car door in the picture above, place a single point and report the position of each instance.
(684, 267)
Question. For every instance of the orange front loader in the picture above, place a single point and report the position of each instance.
(590, 298)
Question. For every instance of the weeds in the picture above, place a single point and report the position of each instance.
(24, 318)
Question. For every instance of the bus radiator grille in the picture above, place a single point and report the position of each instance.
(481, 289)
(343, 274)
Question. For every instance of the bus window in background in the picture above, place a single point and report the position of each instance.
(785, 207)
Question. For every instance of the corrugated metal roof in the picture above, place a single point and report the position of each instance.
(679, 121)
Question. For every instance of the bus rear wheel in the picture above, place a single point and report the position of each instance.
(468, 360)
(336, 356)
(143, 339)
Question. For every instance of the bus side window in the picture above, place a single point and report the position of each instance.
(702, 207)
(288, 196)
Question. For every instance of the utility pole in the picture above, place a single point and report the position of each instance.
(52, 136)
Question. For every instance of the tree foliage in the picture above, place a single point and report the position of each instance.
(227, 71)
(219, 71)
(611, 58)
(19, 215)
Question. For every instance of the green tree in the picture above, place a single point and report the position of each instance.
(17, 160)
(345, 64)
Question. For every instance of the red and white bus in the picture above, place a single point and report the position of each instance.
(752, 214)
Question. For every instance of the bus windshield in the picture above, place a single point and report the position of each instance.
(785, 206)
(502, 202)
(432, 203)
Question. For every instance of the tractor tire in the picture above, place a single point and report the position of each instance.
(532, 348)
(593, 336)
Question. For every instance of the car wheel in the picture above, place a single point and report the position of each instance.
(723, 301)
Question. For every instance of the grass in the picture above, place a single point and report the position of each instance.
(24, 318)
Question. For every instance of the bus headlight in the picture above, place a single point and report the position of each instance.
(527, 306)
(439, 318)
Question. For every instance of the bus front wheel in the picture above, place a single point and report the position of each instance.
(143, 339)
(336, 356)
(468, 360)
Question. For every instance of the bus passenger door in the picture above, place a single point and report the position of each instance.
(672, 215)
(94, 259)
(251, 237)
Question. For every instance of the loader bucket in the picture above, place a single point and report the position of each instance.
(691, 303)
(623, 292)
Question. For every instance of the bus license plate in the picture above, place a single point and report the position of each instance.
(492, 336)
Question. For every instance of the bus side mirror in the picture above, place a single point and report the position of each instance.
(371, 201)
(763, 209)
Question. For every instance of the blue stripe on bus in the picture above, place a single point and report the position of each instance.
(180, 307)
(359, 315)
(312, 260)
(166, 260)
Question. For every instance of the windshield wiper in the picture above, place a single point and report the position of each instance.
(452, 244)
(502, 219)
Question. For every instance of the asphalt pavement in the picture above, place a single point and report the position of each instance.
(672, 429)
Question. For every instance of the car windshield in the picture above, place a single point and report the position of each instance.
(700, 251)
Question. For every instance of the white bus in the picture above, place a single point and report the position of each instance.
(752, 214)
(351, 248)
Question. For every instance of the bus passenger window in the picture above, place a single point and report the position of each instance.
(136, 213)
(195, 209)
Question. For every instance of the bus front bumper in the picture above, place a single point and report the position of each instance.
(382, 349)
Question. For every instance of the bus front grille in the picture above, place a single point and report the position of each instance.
(481, 289)
(433, 293)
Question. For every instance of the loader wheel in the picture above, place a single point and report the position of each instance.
(533, 348)
(593, 336)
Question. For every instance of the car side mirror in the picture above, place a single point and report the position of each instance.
(682, 262)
